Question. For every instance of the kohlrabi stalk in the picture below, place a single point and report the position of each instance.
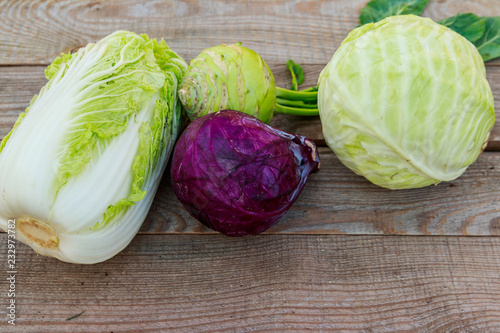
(235, 77)
(300, 103)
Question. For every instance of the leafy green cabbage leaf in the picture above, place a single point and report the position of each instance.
(469, 25)
(489, 44)
(377, 10)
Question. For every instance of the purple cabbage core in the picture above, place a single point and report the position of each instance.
(237, 175)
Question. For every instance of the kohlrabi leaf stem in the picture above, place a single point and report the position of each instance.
(310, 89)
(296, 111)
(305, 96)
(298, 104)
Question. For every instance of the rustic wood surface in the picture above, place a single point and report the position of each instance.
(273, 283)
(36, 31)
(18, 84)
(179, 276)
(336, 200)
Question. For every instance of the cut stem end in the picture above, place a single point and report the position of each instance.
(38, 232)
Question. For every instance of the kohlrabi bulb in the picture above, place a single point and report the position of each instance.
(405, 103)
(228, 77)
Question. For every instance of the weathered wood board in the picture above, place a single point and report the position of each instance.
(179, 276)
(34, 32)
(335, 200)
(18, 84)
(270, 283)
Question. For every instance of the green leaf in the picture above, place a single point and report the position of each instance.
(118, 86)
(469, 25)
(297, 74)
(377, 10)
(17, 123)
(489, 44)
(64, 60)
(154, 137)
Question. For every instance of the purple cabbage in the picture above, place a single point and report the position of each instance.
(237, 175)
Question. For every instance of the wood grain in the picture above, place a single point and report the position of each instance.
(178, 276)
(18, 84)
(34, 32)
(311, 126)
(335, 200)
(340, 206)
(265, 283)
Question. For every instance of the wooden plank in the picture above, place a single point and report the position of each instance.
(335, 200)
(343, 202)
(265, 283)
(18, 84)
(311, 126)
(35, 32)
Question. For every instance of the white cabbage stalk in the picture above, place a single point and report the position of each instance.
(405, 103)
(81, 166)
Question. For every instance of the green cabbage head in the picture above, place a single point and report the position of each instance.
(405, 103)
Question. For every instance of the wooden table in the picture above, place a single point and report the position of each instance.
(349, 256)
